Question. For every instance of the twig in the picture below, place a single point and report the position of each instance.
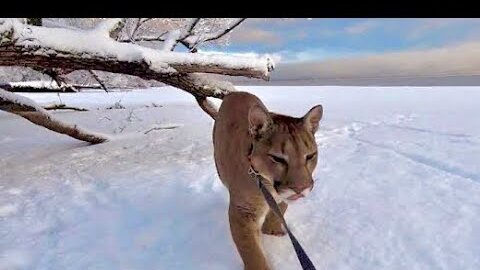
(187, 33)
(160, 128)
(225, 31)
(95, 76)
(215, 36)
(140, 22)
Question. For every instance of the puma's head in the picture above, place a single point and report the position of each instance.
(284, 149)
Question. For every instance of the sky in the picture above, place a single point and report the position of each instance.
(315, 39)
(363, 47)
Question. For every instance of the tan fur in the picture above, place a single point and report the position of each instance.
(243, 121)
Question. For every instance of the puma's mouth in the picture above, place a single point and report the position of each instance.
(291, 195)
(295, 197)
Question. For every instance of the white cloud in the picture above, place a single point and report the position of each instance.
(275, 56)
(459, 60)
(361, 27)
(252, 35)
(315, 54)
(434, 24)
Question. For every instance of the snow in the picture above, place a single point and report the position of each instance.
(106, 26)
(7, 209)
(397, 183)
(36, 84)
(171, 39)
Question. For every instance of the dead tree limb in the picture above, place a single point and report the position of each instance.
(169, 65)
(45, 47)
(29, 110)
(63, 107)
(207, 106)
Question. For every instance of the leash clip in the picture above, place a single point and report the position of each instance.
(251, 171)
(255, 174)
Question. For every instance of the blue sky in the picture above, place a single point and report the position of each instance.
(318, 39)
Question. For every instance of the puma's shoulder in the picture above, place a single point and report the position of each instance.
(239, 102)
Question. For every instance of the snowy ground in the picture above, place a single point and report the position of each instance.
(398, 184)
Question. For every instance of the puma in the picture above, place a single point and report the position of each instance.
(282, 149)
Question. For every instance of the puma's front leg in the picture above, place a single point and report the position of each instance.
(272, 224)
(246, 235)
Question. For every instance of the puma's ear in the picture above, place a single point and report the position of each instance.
(258, 120)
(312, 118)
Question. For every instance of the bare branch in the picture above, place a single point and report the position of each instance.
(191, 26)
(227, 30)
(95, 76)
(187, 33)
(194, 41)
(139, 23)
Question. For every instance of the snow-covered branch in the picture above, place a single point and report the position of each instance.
(79, 49)
(29, 110)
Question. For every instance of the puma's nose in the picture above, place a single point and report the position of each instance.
(302, 187)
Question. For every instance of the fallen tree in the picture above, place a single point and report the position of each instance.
(102, 49)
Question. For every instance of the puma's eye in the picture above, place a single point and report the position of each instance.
(278, 159)
(309, 157)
